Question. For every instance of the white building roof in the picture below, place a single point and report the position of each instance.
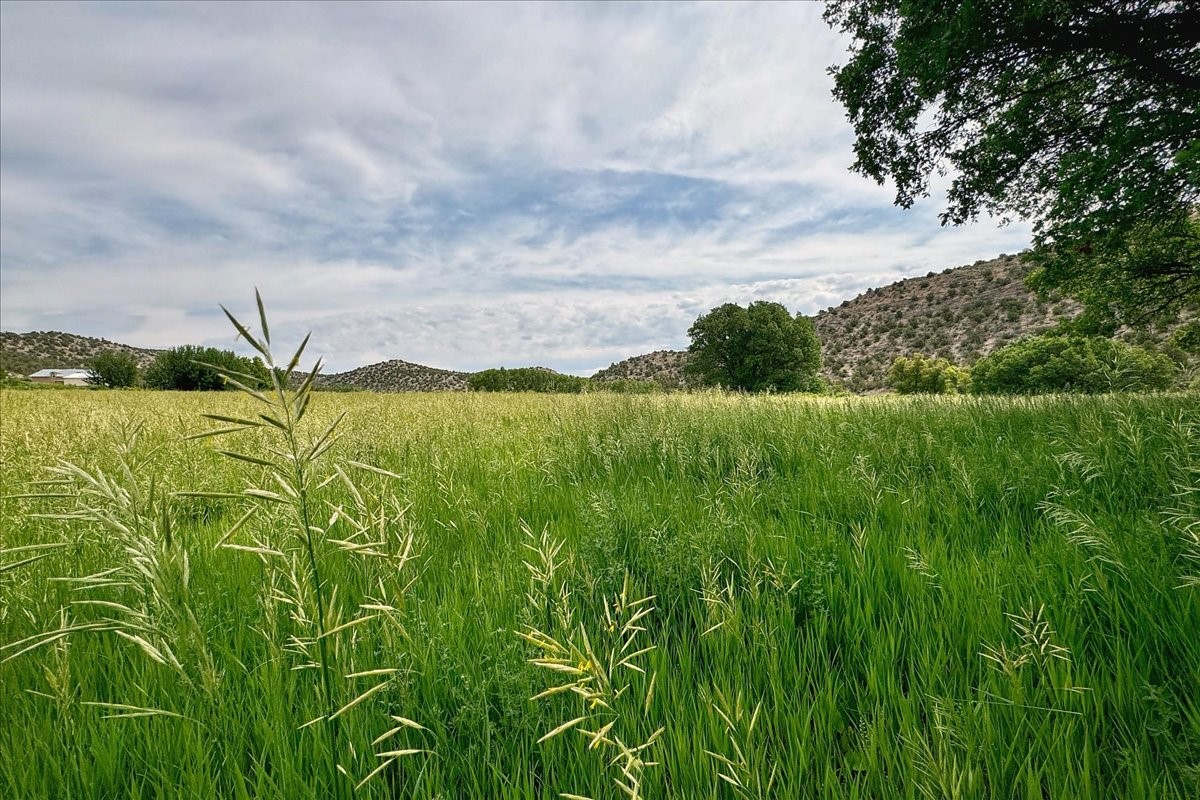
(75, 374)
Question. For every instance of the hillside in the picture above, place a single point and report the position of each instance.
(661, 366)
(395, 376)
(960, 313)
(23, 353)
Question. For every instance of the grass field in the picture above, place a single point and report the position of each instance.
(872, 598)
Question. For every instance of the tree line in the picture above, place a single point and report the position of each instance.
(757, 348)
(762, 348)
(1050, 363)
(186, 369)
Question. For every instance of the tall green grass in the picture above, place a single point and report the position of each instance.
(893, 598)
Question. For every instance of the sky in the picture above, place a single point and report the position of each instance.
(459, 185)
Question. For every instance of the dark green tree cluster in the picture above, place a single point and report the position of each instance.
(1056, 363)
(1137, 276)
(114, 369)
(1082, 117)
(525, 379)
(919, 374)
(190, 368)
(754, 349)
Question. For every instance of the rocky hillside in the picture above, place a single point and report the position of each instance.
(662, 366)
(23, 353)
(959, 314)
(395, 376)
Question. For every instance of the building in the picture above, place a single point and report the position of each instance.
(65, 377)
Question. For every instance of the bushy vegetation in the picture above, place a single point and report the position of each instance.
(770, 596)
(919, 374)
(190, 368)
(1060, 363)
(758, 348)
(114, 369)
(525, 379)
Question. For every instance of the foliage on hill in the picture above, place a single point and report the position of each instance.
(662, 367)
(1084, 365)
(25, 353)
(1147, 274)
(959, 315)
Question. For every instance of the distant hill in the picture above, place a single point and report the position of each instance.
(401, 376)
(395, 376)
(664, 367)
(25, 353)
(960, 313)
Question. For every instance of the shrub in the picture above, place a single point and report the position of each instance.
(525, 379)
(114, 369)
(1056, 363)
(191, 368)
(919, 374)
(1187, 338)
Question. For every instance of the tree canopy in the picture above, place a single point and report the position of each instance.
(191, 368)
(1082, 117)
(920, 374)
(114, 369)
(758, 348)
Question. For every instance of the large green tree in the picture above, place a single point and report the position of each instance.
(758, 348)
(1082, 117)
(114, 369)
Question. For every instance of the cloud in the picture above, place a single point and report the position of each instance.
(466, 185)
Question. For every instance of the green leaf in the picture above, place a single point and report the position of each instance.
(218, 432)
(248, 423)
(262, 317)
(295, 360)
(262, 462)
(244, 332)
